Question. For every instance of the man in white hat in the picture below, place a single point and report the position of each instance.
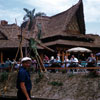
(23, 80)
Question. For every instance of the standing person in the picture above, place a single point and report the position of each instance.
(8, 62)
(58, 56)
(24, 84)
(91, 62)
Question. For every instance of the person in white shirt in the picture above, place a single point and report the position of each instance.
(73, 61)
(67, 61)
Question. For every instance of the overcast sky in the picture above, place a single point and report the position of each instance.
(11, 9)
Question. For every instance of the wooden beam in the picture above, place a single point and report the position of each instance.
(73, 67)
(41, 55)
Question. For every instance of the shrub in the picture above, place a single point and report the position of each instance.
(3, 76)
(55, 83)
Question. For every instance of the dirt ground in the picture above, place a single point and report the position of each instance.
(72, 87)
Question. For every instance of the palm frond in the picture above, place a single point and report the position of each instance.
(33, 11)
(26, 10)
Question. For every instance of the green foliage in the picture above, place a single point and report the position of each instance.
(29, 16)
(37, 80)
(3, 76)
(55, 83)
(33, 46)
(63, 71)
(70, 75)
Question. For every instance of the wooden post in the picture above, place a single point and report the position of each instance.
(21, 52)
(1, 55)
(63, 54)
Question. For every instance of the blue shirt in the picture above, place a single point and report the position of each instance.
(24, 76)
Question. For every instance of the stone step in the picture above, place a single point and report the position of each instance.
(2, 97)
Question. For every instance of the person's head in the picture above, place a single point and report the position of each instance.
(45, 55)
(26, 62)
(66, 57)
(7, 58)
(58, 54)
(73, 56)
(56, 58)
(91, 55)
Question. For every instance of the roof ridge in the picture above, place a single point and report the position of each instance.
(77, 6)
(80, 1)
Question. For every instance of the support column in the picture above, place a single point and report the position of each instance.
(63, 54)
(1, 57)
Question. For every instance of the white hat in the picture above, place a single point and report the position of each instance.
(26, 59)
(52, 58)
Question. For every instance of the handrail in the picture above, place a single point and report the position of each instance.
(73, 68)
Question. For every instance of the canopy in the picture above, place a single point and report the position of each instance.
(98, 54)
(78, 49)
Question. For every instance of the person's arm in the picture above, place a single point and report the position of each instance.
(22, 85)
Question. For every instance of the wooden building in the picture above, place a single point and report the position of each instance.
(59, 32)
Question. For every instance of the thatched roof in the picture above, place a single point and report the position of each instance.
(8, 36)
(54, 30)
(58, 23)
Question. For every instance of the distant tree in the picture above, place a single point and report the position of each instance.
(40, 14)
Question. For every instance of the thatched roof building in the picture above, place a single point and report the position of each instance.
(59, 32)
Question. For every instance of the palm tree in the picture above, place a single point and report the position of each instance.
(30, 15)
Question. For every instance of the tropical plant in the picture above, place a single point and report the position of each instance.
(30, 15)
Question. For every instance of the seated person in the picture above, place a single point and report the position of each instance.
(74, 61)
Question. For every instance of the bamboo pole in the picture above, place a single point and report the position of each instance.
(21, 52)
(42, 66)
(40, 44)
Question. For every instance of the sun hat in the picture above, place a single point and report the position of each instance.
(52, 58)
(26, 59)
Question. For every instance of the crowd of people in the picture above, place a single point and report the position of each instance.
(72, 62)
(56, 62)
